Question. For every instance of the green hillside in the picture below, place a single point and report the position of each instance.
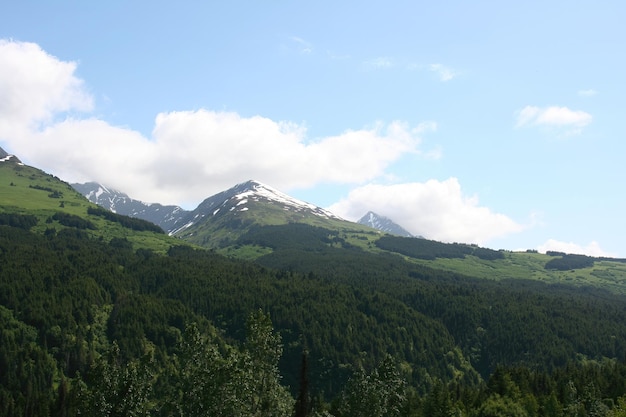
(28, 190)
(104, 315)
(469, 260)
(223, 230)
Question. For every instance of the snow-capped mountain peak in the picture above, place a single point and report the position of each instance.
(118, 202)
(248, 202)
(384, 224)
(257, 191)
(253, 196)
(7, 157)
(105, 196)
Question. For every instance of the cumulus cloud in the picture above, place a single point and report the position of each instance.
(190, 154)
(196, 153)
(35, 86)
(444, 73)
(592, 249)
(554, 116)
(434, 209)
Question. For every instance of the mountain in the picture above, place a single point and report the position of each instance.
(257, 222)
(30, 196)
(219, 219)
(116, 201)
(96, 306)
(222, 218)
(6, 157)
(384, 224)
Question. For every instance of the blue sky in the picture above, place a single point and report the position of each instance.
(496, 123)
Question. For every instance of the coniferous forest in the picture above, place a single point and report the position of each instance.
(105, 315)
(95, 327)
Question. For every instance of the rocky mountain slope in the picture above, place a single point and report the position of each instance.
(165, 216)
(6, 157)
(222, 218)
(384, 224)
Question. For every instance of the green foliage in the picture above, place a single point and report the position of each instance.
(128, 222)
(438, 402)
(620, 408)
(496, 406)
(225, 227)
(71, 220)
(261, 353)
(21, 194)
(26, 369)
(237, 382)
(422, 248)
(567, 262)
(381, 393)
(293, 236)
(430, 249)
(197, 378)
(73, 299)
(23, 221)
(115, 389)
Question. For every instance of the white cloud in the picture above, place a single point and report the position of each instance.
(444, 73)
(35, 86)
(592, 249)
(587, 93)
(304, 47)
(194, 154)
(553, 116)
(379, 63)
(190, 155)
(435, 209)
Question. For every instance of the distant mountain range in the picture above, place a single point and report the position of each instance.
(269, 206)
(164, 216)
(79, 282)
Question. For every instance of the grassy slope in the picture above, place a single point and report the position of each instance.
(606, 274)
(224, 229)
(610, 275)
(17, 195)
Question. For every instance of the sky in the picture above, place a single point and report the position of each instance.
(488, 122)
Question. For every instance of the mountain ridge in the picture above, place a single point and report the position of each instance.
(384, 224)
(54, 206)
(165, 216)
(222, 218)
(245, 203)
(77, 282)
(7, 157)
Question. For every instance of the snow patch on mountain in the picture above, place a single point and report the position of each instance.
(384, 224)
(7, 157)
(256, 191)
(174, 220)
(164, 216)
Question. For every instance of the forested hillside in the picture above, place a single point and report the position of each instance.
(70, 302)
(105, 315)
